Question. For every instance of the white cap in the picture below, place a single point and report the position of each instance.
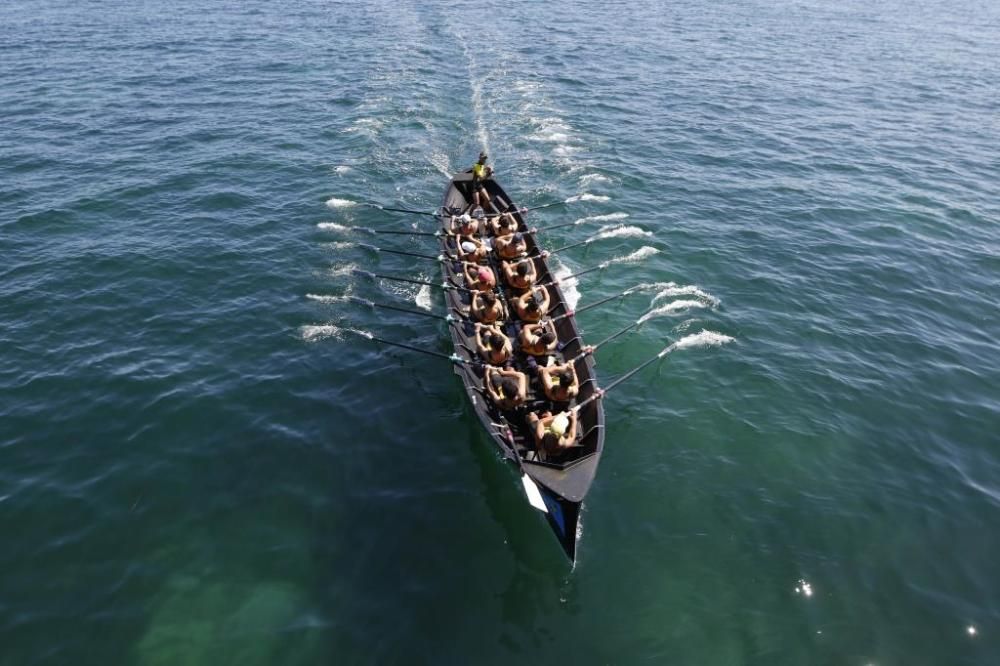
(560, 423)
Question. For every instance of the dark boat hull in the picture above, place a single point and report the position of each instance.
(556, 487)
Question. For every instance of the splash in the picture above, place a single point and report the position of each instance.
(586, 196)
(312, 333)
(340, 271)
(342, 169)
(569, 287)
(621, 231)
(701, 339)
(588, 178)
(644, 252)
(369, 126)
(334, 202)
(423, 298)
(332, 226)
(340, 245)
(670, 308)
(327, 299)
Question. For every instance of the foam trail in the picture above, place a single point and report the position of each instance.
(332, 226)
(440, 162)
(621, 231)
(340, 271)
(670, 289)
(328, 299)
(334, 202)
(669, 309)
(549, 134)
(701, 339)
(569, 287)
(322, 331)
(643, 252)
(586, 196)
(340, 245)
(477, 92)
(589, 178)
(609, 217)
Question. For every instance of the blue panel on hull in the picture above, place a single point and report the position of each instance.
(556, 512)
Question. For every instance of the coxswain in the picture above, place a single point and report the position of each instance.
(559, 382)
(507, 388)
(503, 225)
(520, 274)
(553, 432)
(480, 174)
(486, 307)
(492, 344)
(511, 246)
(539, 339)
(532, 305)
(478, 278)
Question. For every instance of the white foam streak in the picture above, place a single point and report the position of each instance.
(669, 290)
(588, 178)
(586, 196)
(701, 339)
(332, 226)
(643, 252)
(334, 202)
(601, 218)
(670, 308)
(621, 231)
(327, 299)
(313, 333)
(550, 135)
(340, 271)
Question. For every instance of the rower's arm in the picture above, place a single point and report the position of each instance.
(546, 379)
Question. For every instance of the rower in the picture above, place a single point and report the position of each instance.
(510, 247)
(520, 274)
(486, 307)
(480, 173)
(504, 225)
(559, 382)
(478, 278)
(553, 432)
(532, 305)
(539, 339)
(472, 249)
(492, 344)
(463, 225)
(507, 388)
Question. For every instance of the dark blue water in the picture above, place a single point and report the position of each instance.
(201, 464)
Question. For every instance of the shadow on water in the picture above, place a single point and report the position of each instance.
(542, 579)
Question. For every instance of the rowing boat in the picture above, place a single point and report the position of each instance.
(555, 483)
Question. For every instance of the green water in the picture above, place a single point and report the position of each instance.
(198, 465)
